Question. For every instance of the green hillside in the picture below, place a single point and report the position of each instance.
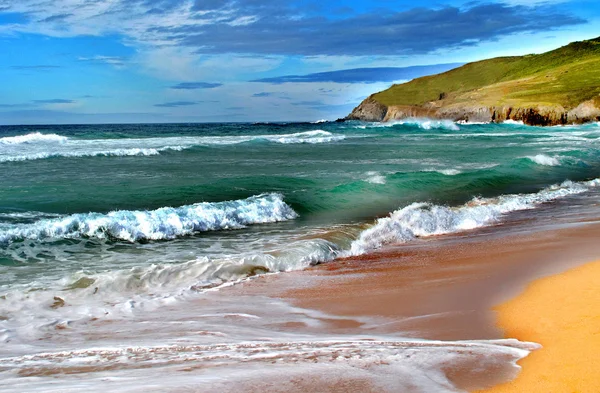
(566, 76)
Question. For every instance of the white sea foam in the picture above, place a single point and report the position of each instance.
(163, 223)
(542, 159)
(424, 123)
(320, 121)
(384, 364)
(375, 178)
(97, 153)
(39, 146)
(315, 136)
(513, 122)
(447, 172)
(32, 138)
(472, 123)
(30, 312)
(425, 219)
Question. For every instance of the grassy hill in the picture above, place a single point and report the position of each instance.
(563, 78)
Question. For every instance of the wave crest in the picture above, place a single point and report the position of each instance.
(425, 219)
(542, 159)
(315, 136)
(423, 123)
(76, 148)
(31, 138)
(159, 224)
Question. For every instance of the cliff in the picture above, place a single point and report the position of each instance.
(553, 88)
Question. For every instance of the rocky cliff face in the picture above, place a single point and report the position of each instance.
(368, 110)
(372, 110)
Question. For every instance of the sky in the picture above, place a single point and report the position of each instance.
(148, 61)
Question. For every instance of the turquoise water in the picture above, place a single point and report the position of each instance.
(140, 211)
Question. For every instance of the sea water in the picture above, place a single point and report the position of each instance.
(117, 242)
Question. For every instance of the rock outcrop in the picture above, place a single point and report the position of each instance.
(542, 115)
(368, 110)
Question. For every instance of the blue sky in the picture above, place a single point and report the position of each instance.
(104, 61)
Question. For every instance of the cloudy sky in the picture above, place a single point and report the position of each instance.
(98, 61)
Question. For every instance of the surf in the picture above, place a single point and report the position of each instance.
(160, 224)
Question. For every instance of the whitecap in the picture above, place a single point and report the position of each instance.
(513, 122)
(423, 123)
(15, 150)
(425, 219)
(542, 159)
(375, 178)
(32, 138)
(159, 224)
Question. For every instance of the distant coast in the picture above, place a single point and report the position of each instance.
(554, 88)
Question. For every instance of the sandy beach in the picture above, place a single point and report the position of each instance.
(561, 313)
(445, 289)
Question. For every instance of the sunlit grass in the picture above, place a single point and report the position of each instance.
(566, 76)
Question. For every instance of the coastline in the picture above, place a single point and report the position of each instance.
(442, 288)
(560, 313)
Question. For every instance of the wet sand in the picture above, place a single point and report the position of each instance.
(441, 288)
(561, 313)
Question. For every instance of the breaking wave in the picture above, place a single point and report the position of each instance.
(426, 219)
(315, 136)
(43, 146)
(159, 224)
(423, 123)
(32, 138)
(100, 153)
(542, 159)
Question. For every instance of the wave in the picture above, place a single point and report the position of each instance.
(472, 123)
(513, 122)
(102, 153)
(447, 172)
(32, 138)
(159, 224)
(426, 219)
(315, 136)
(542, 159)
(204, 272)
(375, 178)
(423, 123)
(70, 148)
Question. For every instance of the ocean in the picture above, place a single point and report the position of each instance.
(119, 243)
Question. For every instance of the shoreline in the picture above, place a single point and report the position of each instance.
(443, 288)
(561, 313)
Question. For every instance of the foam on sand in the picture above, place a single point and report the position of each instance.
(385, 365)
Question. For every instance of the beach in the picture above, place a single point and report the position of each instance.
(560, 313)
(447, 289)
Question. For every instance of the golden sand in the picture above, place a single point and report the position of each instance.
(562, 313)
